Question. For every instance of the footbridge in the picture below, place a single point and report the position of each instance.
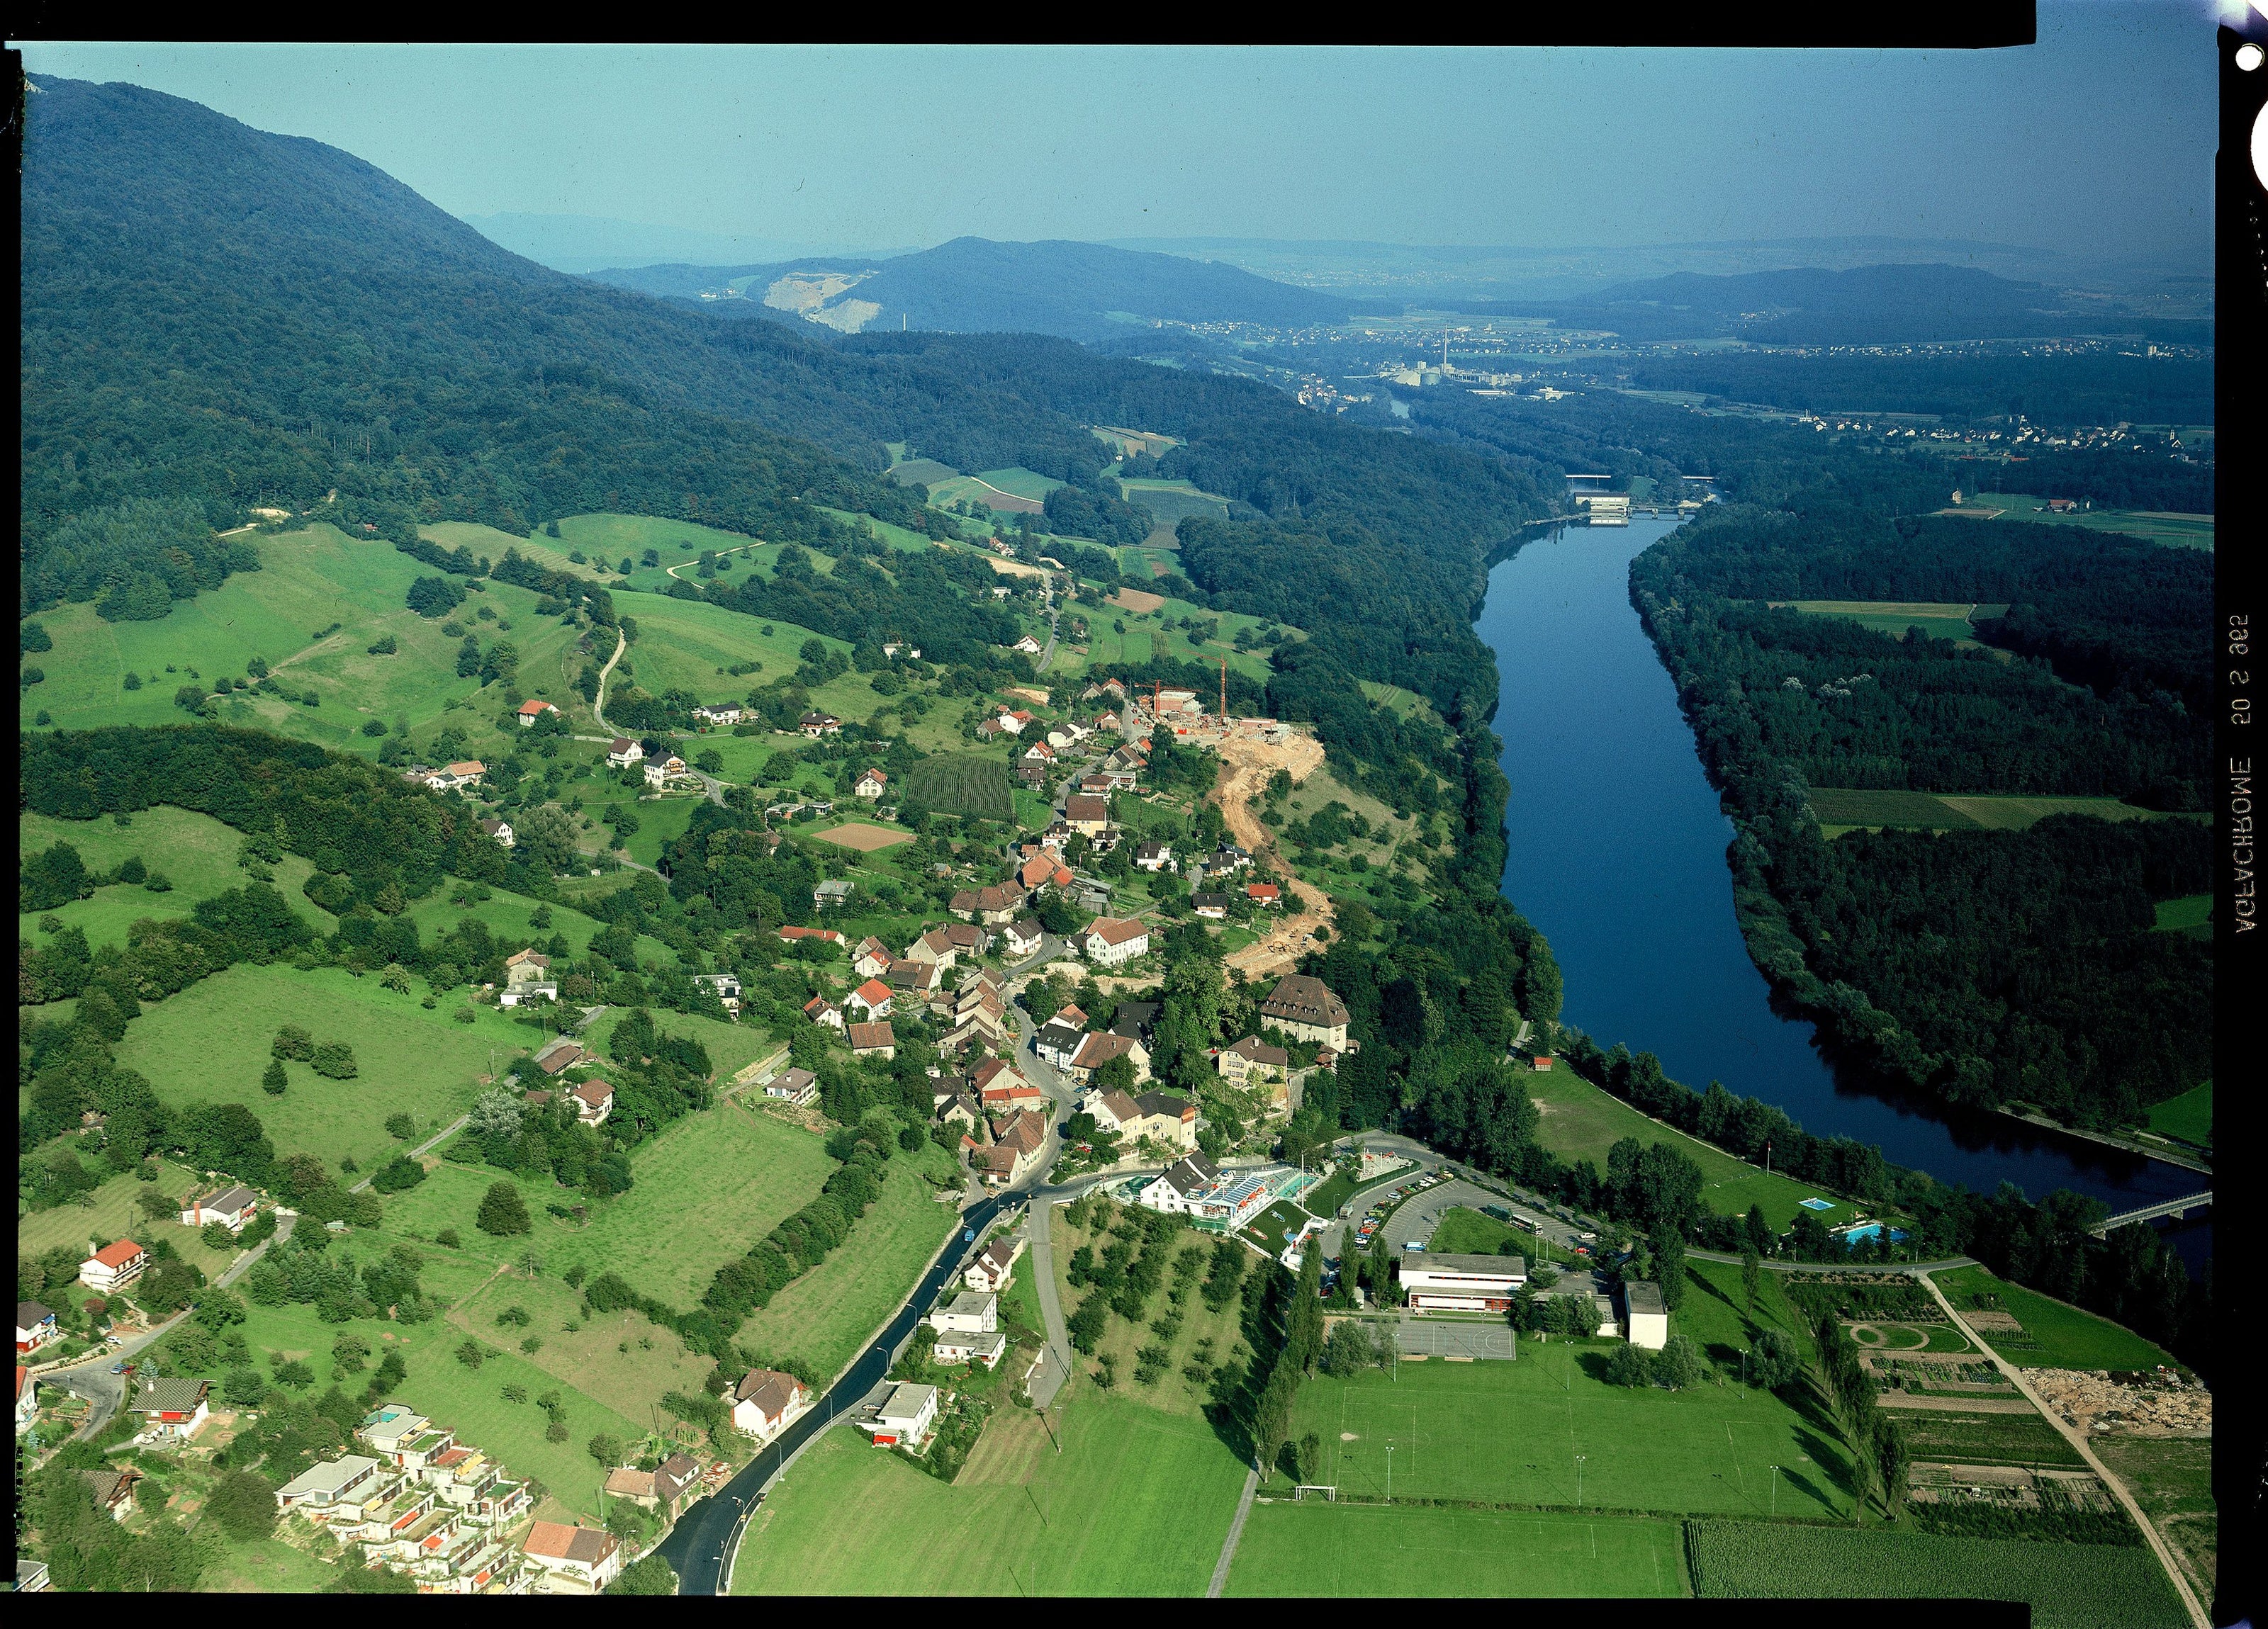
(2150, 1213)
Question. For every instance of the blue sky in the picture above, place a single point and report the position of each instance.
(2098, 140)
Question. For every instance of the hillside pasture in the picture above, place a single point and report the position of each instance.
(196, 853)
(1940, 619)
(115, 1214)
(2188, 1117)
(309, 580)
(702, 1191)
(2056, 1334)
(1840, 809)
(921, 472)
(210, 1043)
(2171, 528)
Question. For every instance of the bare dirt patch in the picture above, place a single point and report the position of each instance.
(1245, 767)
(865, 839)
(2164, 1405)
(1136, 601)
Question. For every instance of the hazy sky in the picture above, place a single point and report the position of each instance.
(2098, 140)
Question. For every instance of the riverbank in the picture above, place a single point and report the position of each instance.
(2144, 1143)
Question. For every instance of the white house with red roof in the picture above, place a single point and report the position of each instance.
(872, 998)
(531, 710)
(1109, 941)
(114, 1265)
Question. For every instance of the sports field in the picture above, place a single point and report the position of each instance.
(1581, 1121)
(196, 853)
(2056, 1335)
(1314, 1548)
(210, 1043)
(2188, 1117)
(1137, 1503)
(2067, 1585)
(1547, 1430)
(864, 838)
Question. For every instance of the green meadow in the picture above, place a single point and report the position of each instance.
(1938, 620)
(210, 1043)
(2188, 1117)
(1137, 1502)
(1317, 1548)
(703, 1191)
(2173, 529)
(1841, 808)
(2056, 1334)
(308, 580)
(1578, 1120)
(196, 853)
(508, 916)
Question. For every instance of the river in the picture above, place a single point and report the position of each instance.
(1617, 854)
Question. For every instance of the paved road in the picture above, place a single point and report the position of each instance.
(285, 1221)
(426, 1147)
(2077, 1438)
(94, 1381)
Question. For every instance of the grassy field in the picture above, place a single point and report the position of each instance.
(1940, 619)
(260, 1566)
(1984, 1439)
(1581, 1121)
(826, 1315)
(2188, 1117)
(2067, 1585)
(1020, 1520)
(731, 1047)
(660, 822)
(924, 471)
(1840, 809)
(1174, 1390)
(452, 1392)
(1014, 489)
(508, 917)
(703, 1191)
(1319, 1549)
(621, 1361)
(196, 853)
(1159, 631)
(1172, 502)
(210, 1043)
(114, 1215)
(2191, 913)
(2177, 530)
(308, 581)
(963, 784)
(1466, 1431)
(2056, 1335)
(2171, 1478)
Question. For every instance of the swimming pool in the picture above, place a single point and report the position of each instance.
(1873, 1230)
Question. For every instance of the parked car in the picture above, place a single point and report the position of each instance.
(121, 1368)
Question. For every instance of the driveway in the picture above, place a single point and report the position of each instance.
(285, 1221)
(426, 1147)
(94, 1381)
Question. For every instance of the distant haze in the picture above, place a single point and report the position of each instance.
(2097, 142)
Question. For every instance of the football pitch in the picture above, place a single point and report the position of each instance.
(1546, 1431)
(1318, 1549)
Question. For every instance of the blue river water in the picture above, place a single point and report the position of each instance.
(1617, 854)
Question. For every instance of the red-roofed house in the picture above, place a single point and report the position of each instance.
(594, 1100)
(826, 934)
(873, 1040)
(871, 784)
(113, 1265)
(531, 710)
(819, 1010)
(589, 1557)
(872, 997)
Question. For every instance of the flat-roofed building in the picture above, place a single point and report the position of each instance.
(1463, 1283)
(1644, 1318)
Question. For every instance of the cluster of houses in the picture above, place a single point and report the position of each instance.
(414, 1499)
(448, 777)
(968, 1330)
(972, 1012)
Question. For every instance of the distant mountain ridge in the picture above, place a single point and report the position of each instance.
(1898, 304)
(974, 285)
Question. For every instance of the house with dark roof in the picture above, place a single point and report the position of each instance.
(765, 1400)
(35, 1326)
(1306, 1010)
(233, 1208)
(874, 1040)
(1094, 1051)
